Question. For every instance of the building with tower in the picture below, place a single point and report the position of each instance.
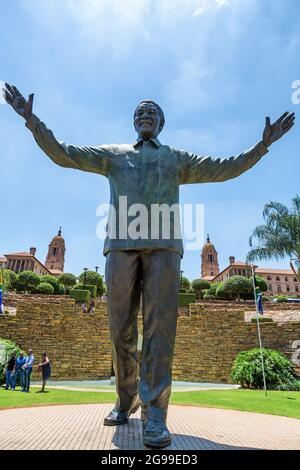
(27, 261)
(209, 258)
(55, 260)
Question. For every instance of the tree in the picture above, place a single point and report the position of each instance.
(10, 279)
(185, 283)
(45, 288)
(27, 281)
(261, 283)
(94, 279)
(279, 236)
(199, 285)
(236, 287)
(68, 280)
(53, 281)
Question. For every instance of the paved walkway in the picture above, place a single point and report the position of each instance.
(80, 427)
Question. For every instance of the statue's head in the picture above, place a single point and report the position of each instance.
(149, 119)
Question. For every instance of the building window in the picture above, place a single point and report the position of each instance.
(288, 288)
(277, 278)
(270, 287)
(286, 279)
(295, 280)
(279, 288)
(296, 289)
(269, 278)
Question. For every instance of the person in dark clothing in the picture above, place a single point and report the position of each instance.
(19, 373)
(9, 383)
(45, 368)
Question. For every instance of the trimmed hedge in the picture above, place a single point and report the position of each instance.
(186, 299)
(90, 288)
(45, 288)
(262, 320)
(80, 295)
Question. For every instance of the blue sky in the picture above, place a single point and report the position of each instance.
(216, 67)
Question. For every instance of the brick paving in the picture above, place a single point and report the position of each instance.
(76, 427)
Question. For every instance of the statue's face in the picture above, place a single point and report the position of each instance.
(147, 121)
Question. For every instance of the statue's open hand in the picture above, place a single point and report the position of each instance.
(14, 98)
(274, 131)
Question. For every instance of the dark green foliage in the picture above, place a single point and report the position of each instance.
(80, 295)
(91, 289)
(221, 293)
(279, 236)
(93, 278)
(261, 283)
(6, 349)
(198, 286)
(45, 288)
(281, 298)
(262, 320)
(53, 281)
(209, 297)
(186, 299)
(235, 287)
(10, 279)
(27, 281)
(247, 368)
(68, 280)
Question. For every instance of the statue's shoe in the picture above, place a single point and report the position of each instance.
(156, 434)
(116, 417)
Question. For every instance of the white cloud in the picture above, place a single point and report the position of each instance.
(206, 5)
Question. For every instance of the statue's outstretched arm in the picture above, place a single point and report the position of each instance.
(199, 169)
(93, 159)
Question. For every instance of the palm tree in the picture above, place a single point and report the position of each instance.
(279, 237)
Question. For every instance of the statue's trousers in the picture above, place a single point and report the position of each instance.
(153, 277)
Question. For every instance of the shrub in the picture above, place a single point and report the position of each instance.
(80, 295)
(185, 283)
(221, 293)
(10, 279)
(91, 289)
(198, 285)
(293, 386)
(247, 369)
(94, 279)
(236, 287)
(260, 282)
(68, 280)
(186, 299)
(6, 349)
(53, 281)
(262, 320)
(27, 281)
(45, 288)
(281, 298)
(209, 297)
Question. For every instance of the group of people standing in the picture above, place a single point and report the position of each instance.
(19, 369)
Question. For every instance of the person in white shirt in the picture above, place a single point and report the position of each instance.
(28, 369)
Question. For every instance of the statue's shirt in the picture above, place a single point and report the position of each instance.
(146, 173)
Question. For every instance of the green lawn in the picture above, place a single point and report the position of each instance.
(277, 403)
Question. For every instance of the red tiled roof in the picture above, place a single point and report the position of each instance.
(22, 253)
(208, 278)
(274, 271)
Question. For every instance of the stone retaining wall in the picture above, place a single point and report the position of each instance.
(209, 336)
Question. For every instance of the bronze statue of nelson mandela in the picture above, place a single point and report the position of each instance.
(146, 172)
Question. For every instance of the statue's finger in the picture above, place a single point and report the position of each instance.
(9, 88)
(8, 97)
(16, 91)
(288, 119)
(282, 116)
(31, 98)
(268, 121)
(287, 128)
